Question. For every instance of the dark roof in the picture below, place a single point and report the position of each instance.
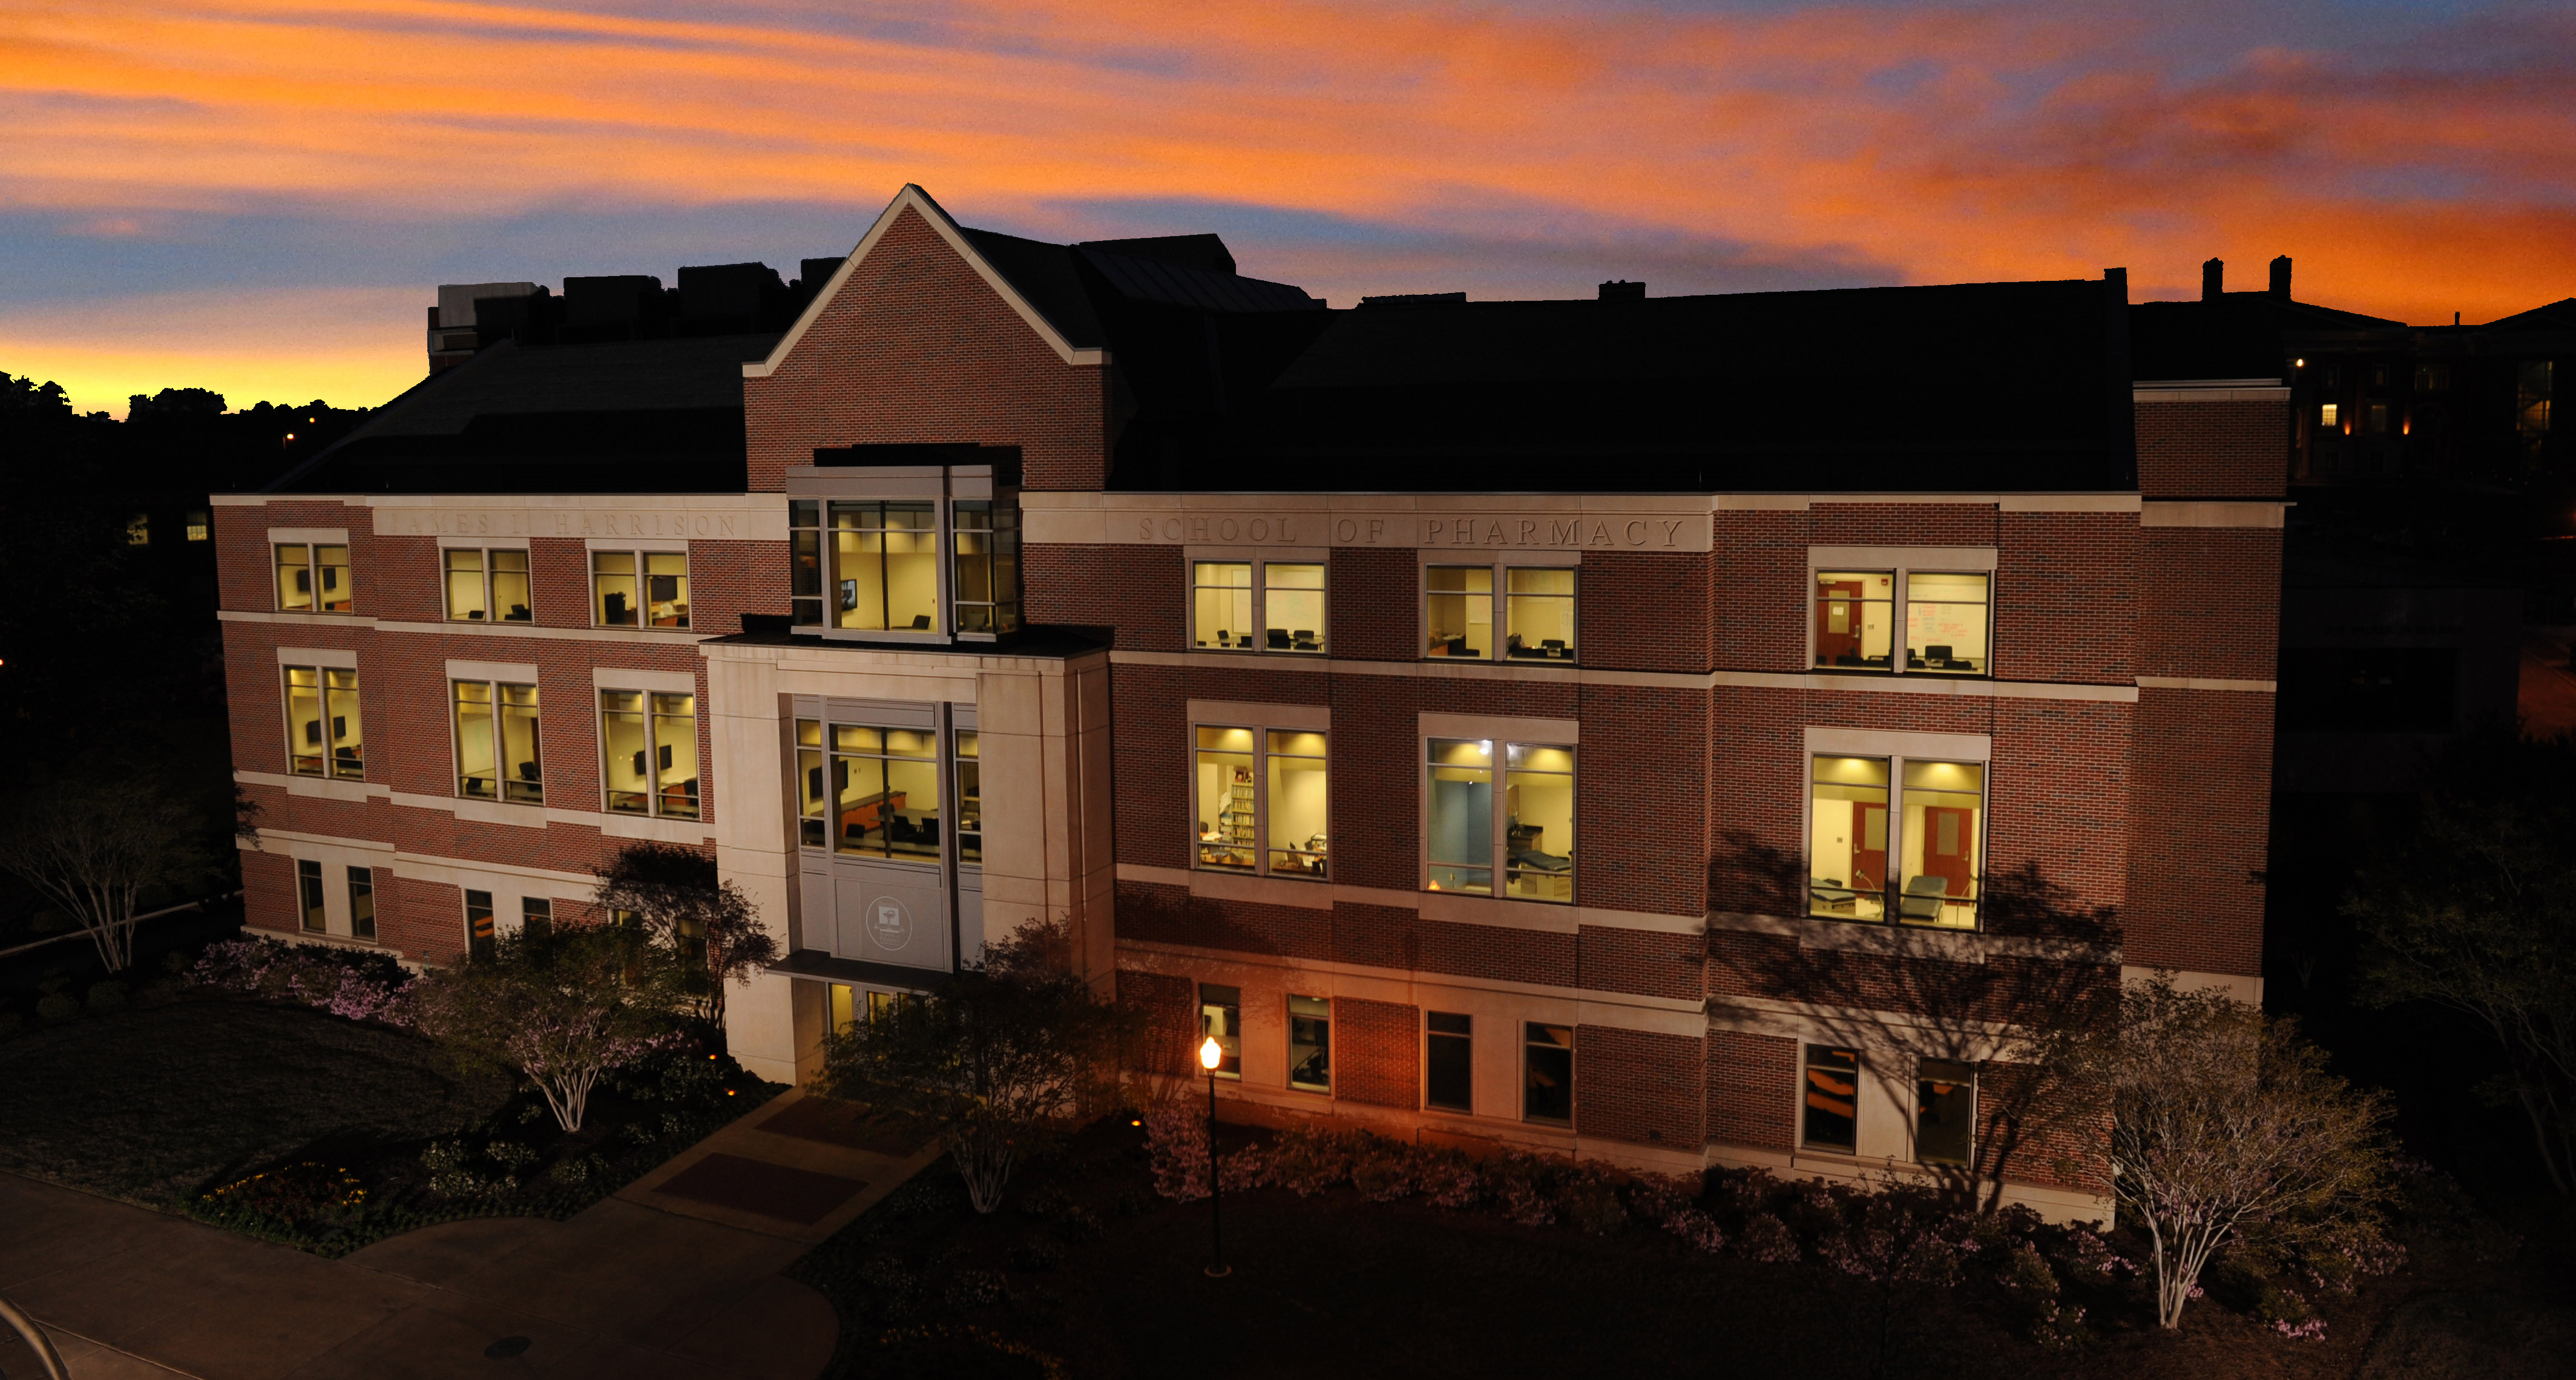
(1977, 386)
(629, 416)
(2557, 316)
(2240, 335)
(1050, 642)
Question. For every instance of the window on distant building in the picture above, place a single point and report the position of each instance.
(1288, 616)
(324, 733)
(536, 916)
(478, 923)
(498, 754)
(138, 530)
(885, 566)
(1533, 832)
(1221, 1015)
(1934, 838)
(308, 887)
(1310, 1043)
(312, 578)
(2379, 419)
(2533, 383)
(201, 525)
(970, 797)
(1548, 1067)
(1263, 802)
(1945, 1112)
(2327, 415)
(2432, 378)
(650, 586)
(362, 902)
(1448, 1061)
(487, 586)
(986, 539)
(885, 784)
(1945, 615)
(1538, 612)
(1830, 1116)
(651, 745)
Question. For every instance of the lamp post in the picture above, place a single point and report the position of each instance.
(1212, 1054)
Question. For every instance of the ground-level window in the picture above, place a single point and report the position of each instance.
(1547, 1088)
(308, 888)
(497, 748)
(478, 923)
(650, 742)
(970, 797)
(324, 732)
(312, 578)
(640, 588)
(1922, 861)
(1945, 1111)
(1448, 1061)
(1534, 830)
(1262, 801)
(1830, 1117)
(885, 784)
(1272, 606)
(536, 916)
(845, 1008)
(1221, 1015)
(487, 586)
(1310, 1043)
(362, 902)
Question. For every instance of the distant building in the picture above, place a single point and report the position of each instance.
(1679, 731)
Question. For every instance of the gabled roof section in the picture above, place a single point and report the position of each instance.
(1162, 279)
(2557, 316)
(1076, 342)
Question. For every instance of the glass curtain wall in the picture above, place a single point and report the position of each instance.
(987, 543)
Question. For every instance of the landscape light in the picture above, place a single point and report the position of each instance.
(1211, 1054)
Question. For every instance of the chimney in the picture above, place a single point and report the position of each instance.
(1621, 290)
(2281, 277)
(2213, 279)
(453, 333)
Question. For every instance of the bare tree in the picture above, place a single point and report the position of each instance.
(558, 1007)
(94, 850)
(1003, 1059)
(2226, 1123)
(675, 898)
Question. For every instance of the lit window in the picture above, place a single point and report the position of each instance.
(478, 923)
(308, 886)
(843, 1001)
(1547, 1090)
(138, 530)
(324, 733)
(312, 578)
(1263, 801)
(1855, 617)
(1448, 1061)
(1221, 1015)
(650, 742)
(885, 566)
(1229, 804)
(1310, 1043)
(1935, 838)
(650, 586)
(1288, 616)
(362, 902)
(886, 791)
(1830, 1116)
(1533, 832)
(497, 748)
(1945, 1112)
(2327, 413)
(987, 543)
(487, 586)
(970, 798)
(1945, 623)
(2379, 419)
(1458, 611)
(201, 525)
(1539, 614)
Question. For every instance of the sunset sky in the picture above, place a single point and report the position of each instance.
(259, 196)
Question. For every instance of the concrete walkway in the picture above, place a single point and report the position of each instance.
(677, 1275)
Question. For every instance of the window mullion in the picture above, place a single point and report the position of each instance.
(1260, 795)
(1899, 631)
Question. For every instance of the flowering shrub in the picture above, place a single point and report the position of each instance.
(308, 1199)
(352, 986)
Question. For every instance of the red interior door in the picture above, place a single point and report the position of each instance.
(1837, 620)
(1950, 846)
(1869, 847)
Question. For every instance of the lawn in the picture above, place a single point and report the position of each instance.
(1086, 1272)
(324, 1133)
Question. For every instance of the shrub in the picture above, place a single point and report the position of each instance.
(352, 986)
(1767, 1239)
(308, 1199)
(1590, 1201)
(57, 1007)
(977, 1288)
(1382, 1177)
(1079, 1225)
(1036, 1257)
(106, 998)
(1518, 1182)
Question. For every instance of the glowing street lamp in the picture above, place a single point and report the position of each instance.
(1212, 1054)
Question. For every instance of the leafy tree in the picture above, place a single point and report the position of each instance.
(559, 1007)
(2477, 915)
(710, 926)
(2226, 1127)
(1004, 1059)
(95, 848)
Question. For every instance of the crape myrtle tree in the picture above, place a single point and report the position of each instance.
(2476, 915)
(675, 900)
(2226, 1129)
(559, 1007)
(1004, 1059)
(94, 848)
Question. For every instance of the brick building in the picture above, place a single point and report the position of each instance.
(1673, 730)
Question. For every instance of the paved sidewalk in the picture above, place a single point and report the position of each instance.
(643, 1285)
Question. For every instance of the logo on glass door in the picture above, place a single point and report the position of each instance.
(889, 924)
